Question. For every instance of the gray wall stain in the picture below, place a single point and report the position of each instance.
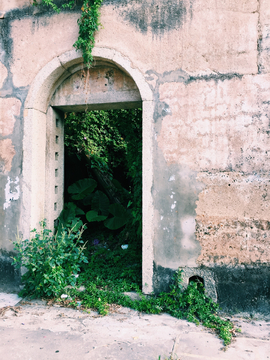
(157, 16)
(10, 186)
(175, 192)
(175, 197)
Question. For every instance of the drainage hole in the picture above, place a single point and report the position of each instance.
(196, 279)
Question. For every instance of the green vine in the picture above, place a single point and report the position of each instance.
(88, 24)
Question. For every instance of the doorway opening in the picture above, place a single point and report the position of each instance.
(59, 87)
(103, 189)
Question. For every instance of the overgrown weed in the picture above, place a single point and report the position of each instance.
(110, 273)
(56, 261)
(52, 261)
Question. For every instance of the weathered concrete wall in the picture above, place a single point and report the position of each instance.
(223, 137)
(208, 66)
(104, 86)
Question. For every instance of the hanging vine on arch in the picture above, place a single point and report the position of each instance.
(88, 24)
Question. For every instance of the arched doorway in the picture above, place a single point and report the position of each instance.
(112, 83)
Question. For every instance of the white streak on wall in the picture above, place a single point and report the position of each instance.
(173, 205)
(12, 191)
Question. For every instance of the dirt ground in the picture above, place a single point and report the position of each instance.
(33, 330)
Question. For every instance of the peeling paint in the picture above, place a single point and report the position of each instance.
(12, 191)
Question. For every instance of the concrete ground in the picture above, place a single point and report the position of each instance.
(34, 330)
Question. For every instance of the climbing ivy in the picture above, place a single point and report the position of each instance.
(88, 23)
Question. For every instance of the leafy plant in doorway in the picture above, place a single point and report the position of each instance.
(110, 143)
(82, 190)
(70, 218)
(52, 261)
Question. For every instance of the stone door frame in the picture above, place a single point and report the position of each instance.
(34, 144)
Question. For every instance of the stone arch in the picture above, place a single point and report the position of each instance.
(36, 110)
